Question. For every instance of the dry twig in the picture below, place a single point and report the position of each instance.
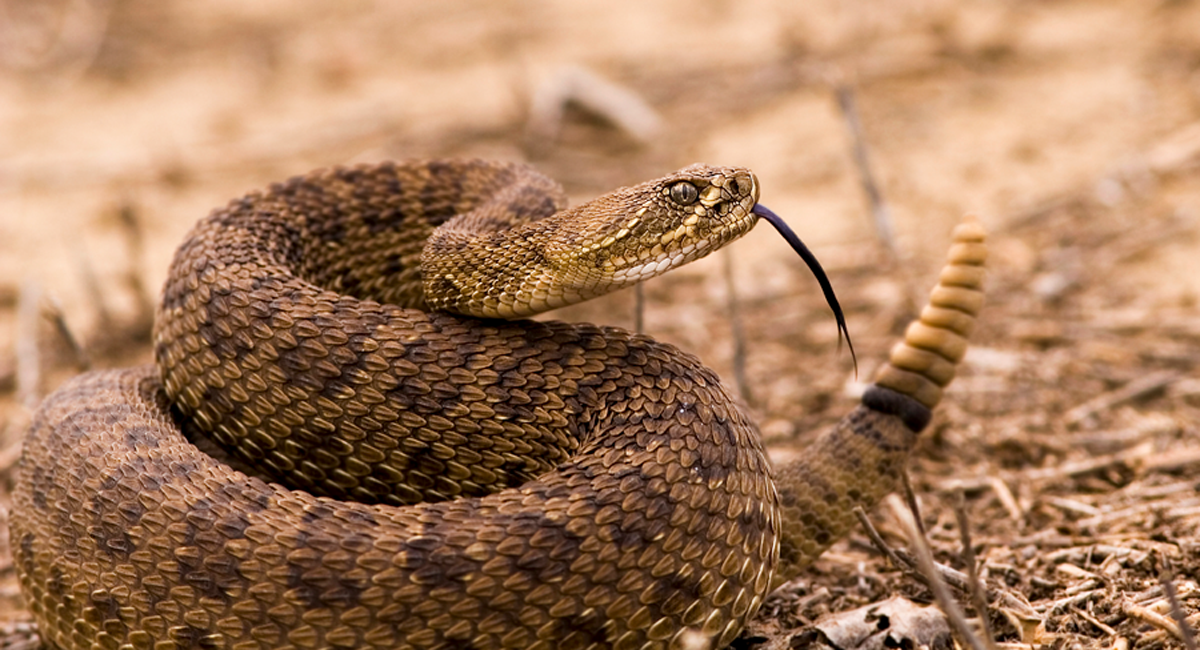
(580, 87)
(1185, 631)
(738, 332)
(639, 308)
(958, 619)
(55, 313)
(29, 358)
(1131, 391)
(880, 212)
(1147, 615)
(978, 594)
(135, 242)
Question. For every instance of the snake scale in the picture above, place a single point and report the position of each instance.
(457, 481)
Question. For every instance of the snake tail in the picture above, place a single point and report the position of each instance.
(862, 459)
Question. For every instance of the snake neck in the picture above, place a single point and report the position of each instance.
(863, 457)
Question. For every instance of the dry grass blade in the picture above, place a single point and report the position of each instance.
(978, 593)
(900, 563)
(55, 313)
(924, 557)
(1187, 635)
(880, 212)
(737, 330)
(587, 90)
(1147, 615)
(1131, 391)
(134, 241)
(639, 308)
(29, 358)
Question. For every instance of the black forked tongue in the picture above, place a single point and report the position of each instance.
(763, 212)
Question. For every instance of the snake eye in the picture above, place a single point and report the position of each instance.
(684, 193)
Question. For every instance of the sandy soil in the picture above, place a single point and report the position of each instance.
(1071, 127)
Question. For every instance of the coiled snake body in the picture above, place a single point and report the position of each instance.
(515, 484)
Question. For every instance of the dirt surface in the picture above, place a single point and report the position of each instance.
(1072, 128)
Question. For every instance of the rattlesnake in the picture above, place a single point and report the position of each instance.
(518, 484)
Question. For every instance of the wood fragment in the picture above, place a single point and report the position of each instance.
(577, 86)
(1006, 497)
(1072, 571)
(1147, 615)
(1072, 505)
(1100, 625)
(1131, 391)
(1074, 600)
(1141, 457)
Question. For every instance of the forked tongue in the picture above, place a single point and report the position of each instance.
(762, 212)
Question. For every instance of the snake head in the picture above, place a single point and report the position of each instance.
(656, 226)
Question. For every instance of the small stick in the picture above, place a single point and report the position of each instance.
(29, 361)
(910, 497)
(1072, 601)
(639, 309)
(1100, 625)
(54, 311)
(955, 578)
(91, 285)
(941, 592)
(1185, 630)
(1006, 498)
(131, 226)
(1153, 618)
(1136, 456)
(879, 208)
(900, 563)
(739, 335)
(968, 556)
(621, 106)
(1131, 391)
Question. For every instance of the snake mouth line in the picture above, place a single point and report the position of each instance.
(763, 212)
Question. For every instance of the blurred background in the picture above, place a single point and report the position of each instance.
(1070, 127)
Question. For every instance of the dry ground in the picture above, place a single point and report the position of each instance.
(1071, 127)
